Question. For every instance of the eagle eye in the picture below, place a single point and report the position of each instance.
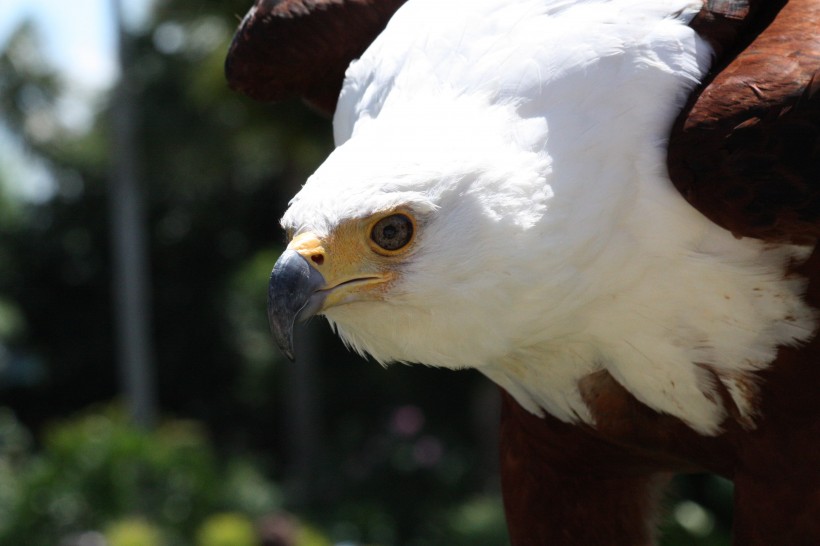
(393, 232)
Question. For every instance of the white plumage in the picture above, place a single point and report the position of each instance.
(528, 140)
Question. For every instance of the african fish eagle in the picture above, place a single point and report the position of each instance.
(608, 207)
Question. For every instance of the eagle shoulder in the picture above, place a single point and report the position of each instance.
(746, 150)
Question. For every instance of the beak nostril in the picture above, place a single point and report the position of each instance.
(318, 259)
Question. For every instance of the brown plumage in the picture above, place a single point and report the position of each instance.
(746, 153)
(287, 49)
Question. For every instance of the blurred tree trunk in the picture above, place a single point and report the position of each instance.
(128, 233)
(302, 423)
(486, 417)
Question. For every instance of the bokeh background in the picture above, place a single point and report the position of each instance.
(141, 401)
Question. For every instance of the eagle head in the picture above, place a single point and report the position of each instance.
(412, 240)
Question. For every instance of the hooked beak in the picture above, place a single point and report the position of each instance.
(294, 294)
(311, 277)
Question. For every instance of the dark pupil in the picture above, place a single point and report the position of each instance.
(393, 232)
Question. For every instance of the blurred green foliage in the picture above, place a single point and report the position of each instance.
(96, 471)
(400, 456)
(134, 532)
(227, 529)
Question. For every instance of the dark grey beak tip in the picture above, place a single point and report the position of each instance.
(293, 295)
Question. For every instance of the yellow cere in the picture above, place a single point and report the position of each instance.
(351, 269)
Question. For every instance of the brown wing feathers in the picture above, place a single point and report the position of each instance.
(747, 151)
(286, 49)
